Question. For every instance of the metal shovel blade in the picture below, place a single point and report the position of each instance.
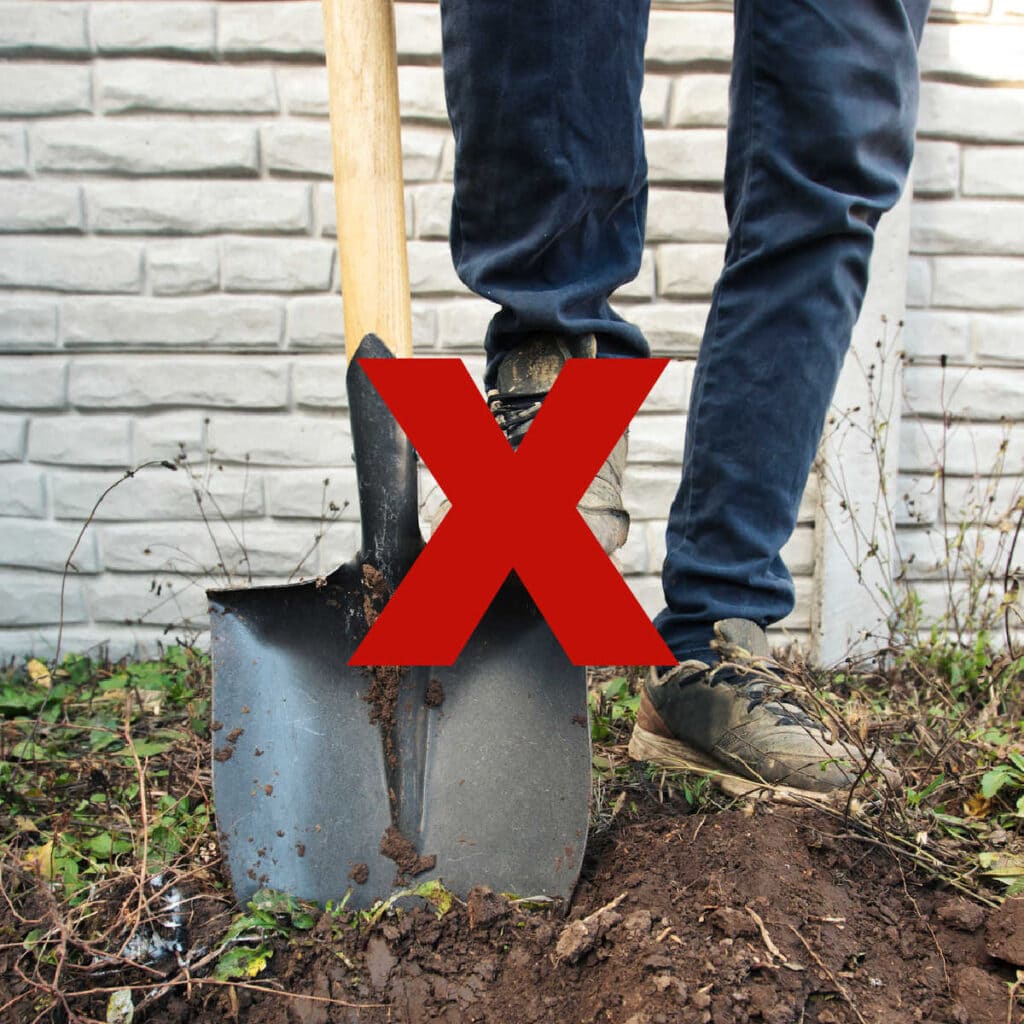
(483, 765)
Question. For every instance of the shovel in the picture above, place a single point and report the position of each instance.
(331, 779)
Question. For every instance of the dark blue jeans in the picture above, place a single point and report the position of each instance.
(548, 220)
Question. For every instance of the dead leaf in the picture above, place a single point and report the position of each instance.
(39, 673)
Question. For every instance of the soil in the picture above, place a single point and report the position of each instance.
(384, 679)
(768, 914)
(401, 850)
(434, 696)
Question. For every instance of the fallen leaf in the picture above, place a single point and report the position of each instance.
(40, 860)
(39, 673)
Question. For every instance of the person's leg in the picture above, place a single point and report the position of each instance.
(550, 175)
(822, 112)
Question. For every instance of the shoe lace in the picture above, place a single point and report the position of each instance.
(514, 413)
(763, 688)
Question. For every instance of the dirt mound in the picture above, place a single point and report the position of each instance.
(774, 916)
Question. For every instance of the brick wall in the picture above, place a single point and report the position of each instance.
(168, 284)
(964, 336)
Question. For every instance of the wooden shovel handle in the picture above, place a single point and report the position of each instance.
(362, 77)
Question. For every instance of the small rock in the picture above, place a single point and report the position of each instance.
(962, 914)
(1004, 933)
(638, 922)
(733, 923)
(485, 906)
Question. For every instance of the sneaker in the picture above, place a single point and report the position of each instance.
(738, 721)
(525, 376)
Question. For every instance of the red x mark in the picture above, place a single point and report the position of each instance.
(513, 509)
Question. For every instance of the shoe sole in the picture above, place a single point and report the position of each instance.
(675, 755)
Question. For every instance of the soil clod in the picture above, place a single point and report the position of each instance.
(401, 850)
(1004, 935)
(434, 697)
(360, 873)
(485, 906)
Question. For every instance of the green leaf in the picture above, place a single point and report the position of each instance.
(29, 750)
(993, 781)
(435, 893)
(242, 962)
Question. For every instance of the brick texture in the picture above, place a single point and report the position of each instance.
(168, 291)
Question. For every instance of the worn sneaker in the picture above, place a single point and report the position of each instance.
(739, 722)
(525, 376)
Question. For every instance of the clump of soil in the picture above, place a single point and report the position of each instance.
(434, 697)
(360, 873)
(384, 679)
(401, 850)
(375, 593)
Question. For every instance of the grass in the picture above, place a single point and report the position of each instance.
(107, 833)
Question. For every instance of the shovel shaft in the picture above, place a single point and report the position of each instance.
(362, 75)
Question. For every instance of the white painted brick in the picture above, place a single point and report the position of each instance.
(993, 171)
(985, 500)
(463, 324)
(798, 551)
(919, 282)
(318, 382)
(254, 322)
(929, 335)
(144, 147)
(198, 207)
(654, 100)
(125, 598)
(303, 90)
(31, 598)
(316, 322)
(308, 494)
(936, 168)
(979, 282)
(694, 216)
(33, 382)
(110, 644)
(43, 28)
(183, 268)
(13, 152)
(963, 449)
(689, 37)
(38, 206)
(431, 271)
(80, 440)
(959, 7)
(423, 153)
(695, 155)
(433, 210)
(168, 435)
(641, 288)
(24, 491)
(70, 264)
(31, 89)
(424, 326)
(998, 339)
(671, 391)
(700, 101)
(968, 113)
(421, 94)
(688, 271)
(968, 226)
(31, 545)
(917, 500)
(126, 86)
(671, 329)
(989, 52)
(447, 172)
(272, 29)
(271, 265)
(144, 382)
(291, 147)
(185, 28)
(12, 438)
(292, 440)
(657, 439)
(974, 394)
(27, 322)
(647, 590)
(418, 30)
(647, 491)
(155, 494)
(923, 554)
